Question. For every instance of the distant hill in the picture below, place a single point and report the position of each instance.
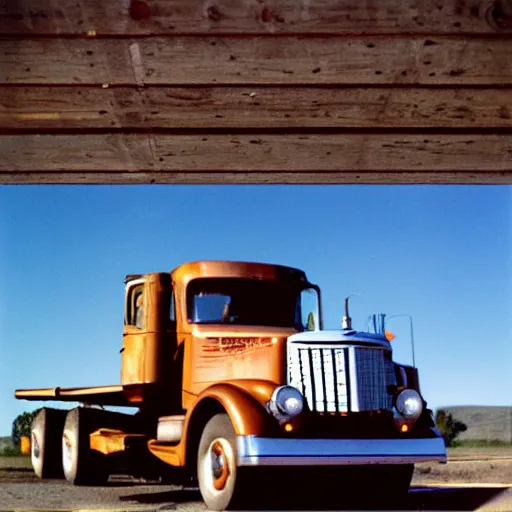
(486, 423)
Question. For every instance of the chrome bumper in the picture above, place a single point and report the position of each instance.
(266, 451)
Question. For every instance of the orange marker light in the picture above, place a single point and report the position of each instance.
(288, 427)
(389, 336)
(404, 428)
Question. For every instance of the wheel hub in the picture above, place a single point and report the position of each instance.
(66, 452)
(36, 451)
(220, 466)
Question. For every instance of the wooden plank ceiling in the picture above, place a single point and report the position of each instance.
(255, 91)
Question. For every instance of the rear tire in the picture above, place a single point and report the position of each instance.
(45, 450)
(81, 465)
(222, 484)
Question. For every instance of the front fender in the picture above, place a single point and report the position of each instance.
(244, 402)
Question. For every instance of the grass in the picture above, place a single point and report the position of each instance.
(479, 450)
(15, 463)
(9, 451)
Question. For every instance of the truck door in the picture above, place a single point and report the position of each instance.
(133, 356)
(151, 366)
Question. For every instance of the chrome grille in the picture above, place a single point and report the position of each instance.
(373, 377)
(341, 379)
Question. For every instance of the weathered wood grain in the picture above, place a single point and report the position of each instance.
(257, 60)
(253, 16)
(258, 178)
(42, 108)
(258, 153)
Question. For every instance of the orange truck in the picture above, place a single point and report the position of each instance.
(235, 380)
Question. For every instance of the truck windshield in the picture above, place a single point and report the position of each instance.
(244, 301)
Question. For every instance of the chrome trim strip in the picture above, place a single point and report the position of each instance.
(265, 451)
(354, 391)
(340, 337)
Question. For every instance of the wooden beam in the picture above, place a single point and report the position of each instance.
(263, 16)
(258, 178)
(208, 108)
(255, 153)
(257, 60)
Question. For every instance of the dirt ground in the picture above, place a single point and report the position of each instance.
(475, 472)
(469, 465)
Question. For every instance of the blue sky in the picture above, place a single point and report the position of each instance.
(442, 254)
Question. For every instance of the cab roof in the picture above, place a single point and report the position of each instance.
(225, 268)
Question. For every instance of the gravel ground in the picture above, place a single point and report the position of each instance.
(22, 491)
(473, 471)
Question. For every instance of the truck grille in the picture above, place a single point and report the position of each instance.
(338, 379)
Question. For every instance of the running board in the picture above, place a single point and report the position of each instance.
(167, 452)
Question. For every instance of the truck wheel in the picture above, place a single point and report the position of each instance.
(81, 465)
(45, 443)
(221, 482)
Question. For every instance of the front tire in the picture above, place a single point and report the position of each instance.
(81, 465)
(222, 484)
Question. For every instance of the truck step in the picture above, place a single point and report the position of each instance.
(170, 429)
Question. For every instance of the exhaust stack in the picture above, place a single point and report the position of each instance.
(346, 323)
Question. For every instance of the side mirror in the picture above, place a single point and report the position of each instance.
(310, 313)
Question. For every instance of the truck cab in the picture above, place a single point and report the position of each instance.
(208, 322)
(232, 372)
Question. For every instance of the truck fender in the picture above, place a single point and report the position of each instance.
(248, 415)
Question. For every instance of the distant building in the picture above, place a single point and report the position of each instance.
(485, 423)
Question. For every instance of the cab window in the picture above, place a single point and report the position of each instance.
(135, 315)
(172, 309)
(246, 301)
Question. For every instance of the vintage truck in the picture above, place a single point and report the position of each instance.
(235, 380)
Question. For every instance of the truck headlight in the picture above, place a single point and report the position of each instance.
(286, 401)
(409, 403)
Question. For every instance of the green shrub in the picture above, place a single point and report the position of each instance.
(10, 451)
(22, 426)
(449, 427)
